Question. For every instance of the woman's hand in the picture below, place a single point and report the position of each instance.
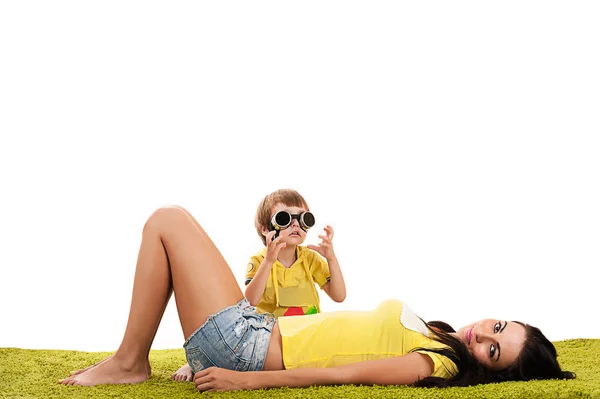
(325, 248)
(214, 379)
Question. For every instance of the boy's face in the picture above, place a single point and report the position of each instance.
(293, 235)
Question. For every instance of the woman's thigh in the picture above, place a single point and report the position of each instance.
(202, 281)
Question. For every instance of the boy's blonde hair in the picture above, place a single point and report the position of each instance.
(284, 196)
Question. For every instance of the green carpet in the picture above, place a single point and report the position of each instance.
(34, 374)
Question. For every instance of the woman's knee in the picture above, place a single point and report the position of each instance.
(165, 217)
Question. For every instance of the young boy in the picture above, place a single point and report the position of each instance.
(280, 278)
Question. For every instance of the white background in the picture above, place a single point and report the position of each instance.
(453, 146)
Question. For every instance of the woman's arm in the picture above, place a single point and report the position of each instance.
(403, 370)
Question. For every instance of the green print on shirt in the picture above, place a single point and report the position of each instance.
(298, 311)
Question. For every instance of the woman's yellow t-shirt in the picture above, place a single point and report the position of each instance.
(290, 291)
(339, 338)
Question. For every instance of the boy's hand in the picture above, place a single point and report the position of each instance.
(273, 247)
(325, 248)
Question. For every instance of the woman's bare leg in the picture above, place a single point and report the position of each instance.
(148, 368)
(176, 255)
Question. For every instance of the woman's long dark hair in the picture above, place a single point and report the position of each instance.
(537, 360)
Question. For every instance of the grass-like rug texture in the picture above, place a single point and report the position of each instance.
(34, 373)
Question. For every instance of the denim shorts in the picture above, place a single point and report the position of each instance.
(236, 338)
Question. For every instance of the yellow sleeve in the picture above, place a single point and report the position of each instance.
(252, 267)
(442, 366)
(319, 268)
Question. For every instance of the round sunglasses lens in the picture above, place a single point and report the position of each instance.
(308, 219)
(282, 219)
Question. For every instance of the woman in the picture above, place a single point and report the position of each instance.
(222, 329)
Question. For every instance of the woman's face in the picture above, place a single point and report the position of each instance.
(494, 343)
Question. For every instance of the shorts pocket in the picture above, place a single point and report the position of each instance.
(234, 331)
(197, 359)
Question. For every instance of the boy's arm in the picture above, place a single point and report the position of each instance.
(336, 286)
(402, 370)
(256, 287)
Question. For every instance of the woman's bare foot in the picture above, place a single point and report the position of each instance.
(89, 367)
(109, 371)
(148, 368)
(184, 373)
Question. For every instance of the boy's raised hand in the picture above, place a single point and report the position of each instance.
(325, 248)
(273, 247)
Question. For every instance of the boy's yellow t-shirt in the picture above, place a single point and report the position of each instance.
(338, 338)
(291, 291)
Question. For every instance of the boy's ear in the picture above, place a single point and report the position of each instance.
(265, 231)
